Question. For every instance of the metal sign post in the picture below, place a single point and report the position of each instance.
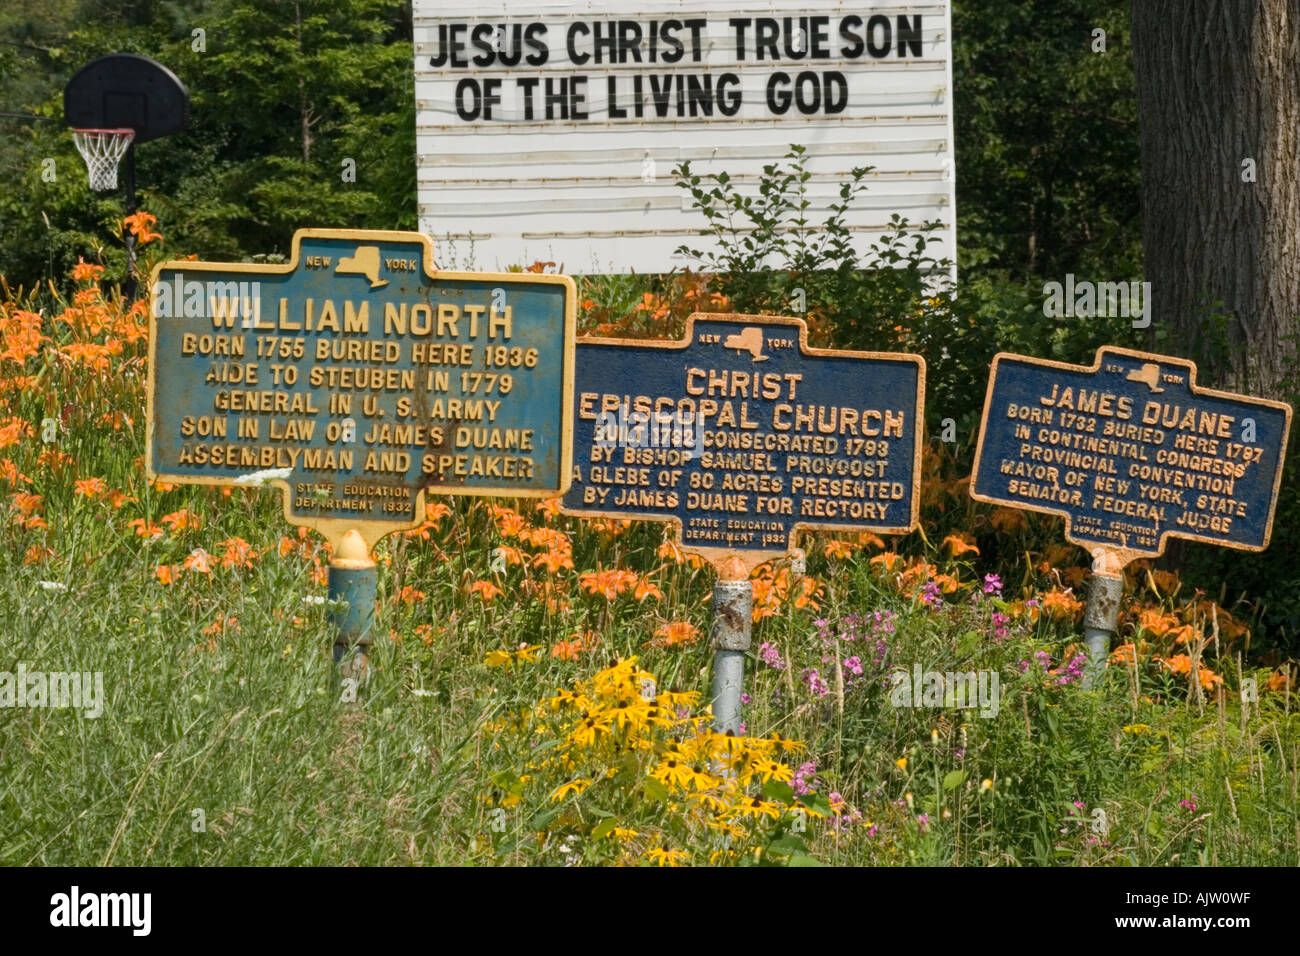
(741, 436)
(1100, 619)
(353, 585)
(358, 378)
(1131, 452)
(733, 612)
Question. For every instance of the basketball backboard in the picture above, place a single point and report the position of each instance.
(127, 91)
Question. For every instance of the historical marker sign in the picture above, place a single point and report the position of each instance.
(742, 435)
(358, 376)
(1130, 451)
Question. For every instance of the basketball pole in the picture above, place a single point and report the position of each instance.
(127, 235)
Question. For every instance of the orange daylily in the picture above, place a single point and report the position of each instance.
(767, 601)
(1061, 604)
(645, 588)
(566, 650)
(408, 595)
(22, 336)
(1054, 555)
(54, 459)
(1229, 626)
(675, 634)
(38, 554)
(427, 632)
(222, 624)
(91, 354)
(1075, 575)
(653, 304)
(117, 419)
(237, 553)
(181, 520)
(837, 549)
(85, 271)
(547, 538)
(868, 540)
(13, 430)
(1128, 653)
(947, 583)
(809, 591)
(1278, 680)
(553, 560)
(609, 583)
(577, 643)
(145, 529)
(1182, 664)
(510, 555)
(1007, 520)
(26, 502)
(1156, 621)
(485, 590)
(960, 543)
(509, 522)
(139, 224)
(887, 560)
(669, 550)
(117, 498)
(199, 561)
(1166, 582)
(11, 473)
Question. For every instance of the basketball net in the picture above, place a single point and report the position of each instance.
(102, 149)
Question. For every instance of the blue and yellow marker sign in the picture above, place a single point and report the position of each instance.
(1130, 451)
(358, 377)
(742, 435)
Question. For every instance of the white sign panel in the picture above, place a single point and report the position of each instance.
(549, 129)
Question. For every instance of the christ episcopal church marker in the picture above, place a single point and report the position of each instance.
(741, 435)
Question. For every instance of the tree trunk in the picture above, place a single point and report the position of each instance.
(1218, 83)
(304, 109)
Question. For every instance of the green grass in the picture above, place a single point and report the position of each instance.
(245, 747)
(257, 733)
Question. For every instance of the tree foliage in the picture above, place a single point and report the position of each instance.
(1047, 148)
(282, 93)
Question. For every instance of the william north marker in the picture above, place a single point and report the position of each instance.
(358, 377)
(1131, 451)
(742, 435)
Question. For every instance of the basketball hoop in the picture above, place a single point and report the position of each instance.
(102, 149)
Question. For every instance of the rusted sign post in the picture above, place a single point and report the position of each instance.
(358, 378)
(742, 436)
(1130, 452)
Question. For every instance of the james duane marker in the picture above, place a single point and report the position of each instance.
(741, 436)
(1129, 452)
(358, 378)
